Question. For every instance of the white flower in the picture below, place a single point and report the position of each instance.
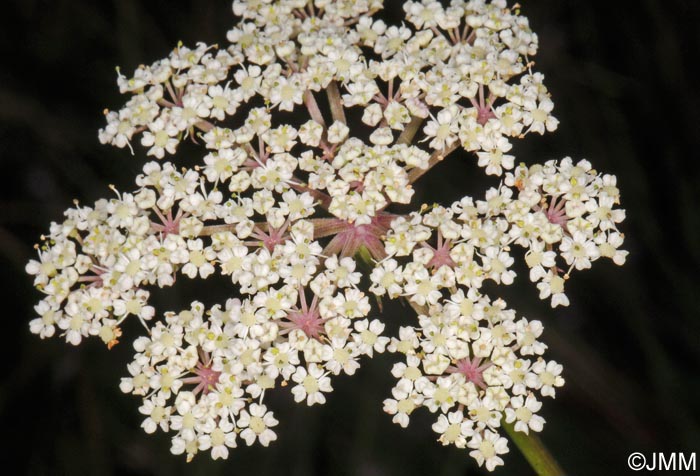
(337, 132)
(553, 285)
(286, 92)
(579, 251)
(404, 402)
(257, 424)
(487, 448)
(443, 129)
(368, 337)
(311, 385)
(454, 429)
(522, 412)
(161, 137)
(386, 278)
(219, 438)
(199, 260)
(158, 415)
(549, 376)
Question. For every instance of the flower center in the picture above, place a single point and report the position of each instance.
(473, 370)
(273, 236)
(350, 238)
(307, 319)
(484, 114)
(483, 107)
(208, 378)
(556, 212)
(441, 254)
(205, 377)
(168, 225)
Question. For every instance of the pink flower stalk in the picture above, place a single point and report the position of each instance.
(205, 377)
(307, 319)
(95, 280)
(483, 107)
(272, 237)
(556, 212)
(473, 370)
(170, 225)
(350, 238)
(441, 254)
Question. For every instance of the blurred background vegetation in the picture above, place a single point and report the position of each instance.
(619, 76)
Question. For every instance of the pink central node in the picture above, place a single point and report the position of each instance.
(441, 254)
(95, 280)
(307, 319)
(350, 238)
(484, 114)
(205, 377)
(272, 237)
(473, 370)
(556, 212)
(357, 185)
(168, 225)
(484, 107)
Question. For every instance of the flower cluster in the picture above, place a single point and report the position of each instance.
(314, 120)
(561, 213)
(565, 212)
(204, 373)
(470, 361)
(466, 68)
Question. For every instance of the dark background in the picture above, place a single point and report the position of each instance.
(629, 342)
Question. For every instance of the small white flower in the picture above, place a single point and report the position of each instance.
(454, 429)
(522, 412)
(256, 424)
(486, 449)
(219, 438)
(311, 385)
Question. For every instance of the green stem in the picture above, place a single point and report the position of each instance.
(365, 258)
(435, 158)
(312, 106)
(410, 131)
(539, 457)
(211, 229)
(336, 102)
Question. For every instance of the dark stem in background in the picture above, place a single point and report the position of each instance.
(539, 457)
